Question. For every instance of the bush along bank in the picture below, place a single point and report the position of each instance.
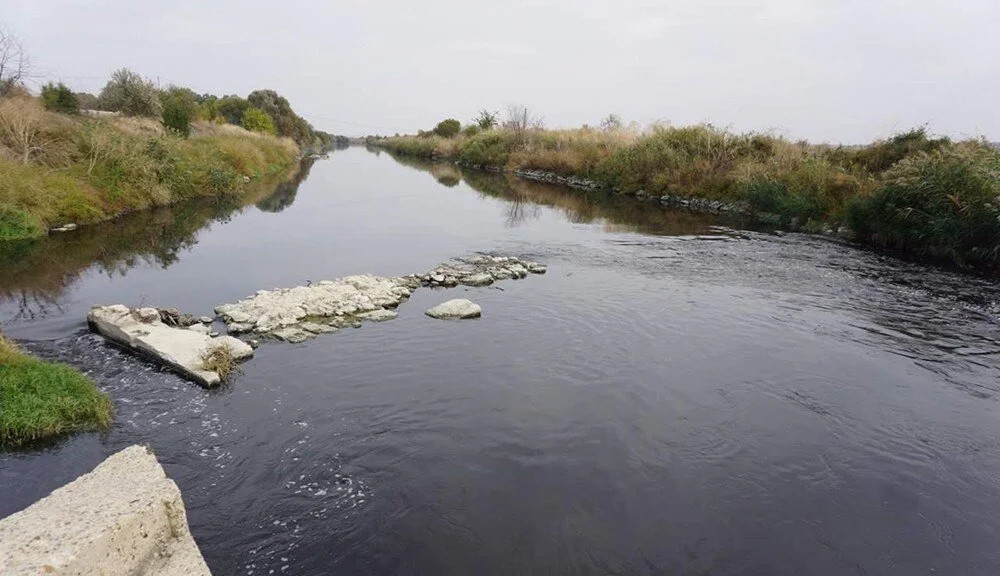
(41, 399)
(912, 193)
(75, 158)
(58, 169)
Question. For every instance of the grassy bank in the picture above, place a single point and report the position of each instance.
(41, 399)
(65, 168)
(924, 196)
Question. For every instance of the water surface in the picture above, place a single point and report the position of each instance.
(676, 395)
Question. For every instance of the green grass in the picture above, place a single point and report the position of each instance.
(41, 399)
(929, 197)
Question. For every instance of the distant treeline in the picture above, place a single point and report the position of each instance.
(923, 195)
(130, 94)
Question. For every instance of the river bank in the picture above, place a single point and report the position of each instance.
(923, 196)
(87, 170)
(40, 399)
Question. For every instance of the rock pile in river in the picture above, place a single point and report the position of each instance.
(296, 314)
(481, 270)
(186, 351)
(299, 313)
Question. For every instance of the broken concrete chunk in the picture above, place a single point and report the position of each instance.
(180, 349)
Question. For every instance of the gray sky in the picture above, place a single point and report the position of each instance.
(825, 70)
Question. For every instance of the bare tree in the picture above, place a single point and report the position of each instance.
(14, 63)
(520, 119)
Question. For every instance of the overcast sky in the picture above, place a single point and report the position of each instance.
(824, 70)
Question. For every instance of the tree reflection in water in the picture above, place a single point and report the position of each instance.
(35, 273)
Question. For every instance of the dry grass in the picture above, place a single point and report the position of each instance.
(137, 126)
(56, 169)
(220, 359)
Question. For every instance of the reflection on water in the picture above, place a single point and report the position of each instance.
(284, 194)
(35, 273)
(524, 200)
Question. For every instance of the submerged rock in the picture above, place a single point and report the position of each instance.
(380, 315)
(181, 349)
(457, 308)
(479, 279)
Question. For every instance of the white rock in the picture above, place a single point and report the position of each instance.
(179, 348)
(536, 268)
(199, 328)
(124, 517)
(291, 334)
(275, 309)
(205, 320)
(457, 308)
(479, 279)
(147, 315)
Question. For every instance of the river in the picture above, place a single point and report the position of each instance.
(676, 395)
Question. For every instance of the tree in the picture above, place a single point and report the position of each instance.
(611, 122)
(130, 94)
(59, 98)
(180, 106)
(286, 121)
(256, 120)
(232, 108)
(487, 120)
(14, 63)
(87, 101)
(448, 128)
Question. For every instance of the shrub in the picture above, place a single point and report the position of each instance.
(448, 128)
(689, 160)
(232, 108)
(487, 149)
(487, 120)
(881, 155)
(180, 106)
(59, 98)
(130, 94)
(944, 204)
(256, 120)
(286, 121)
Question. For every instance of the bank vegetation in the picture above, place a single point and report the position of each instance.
(912, 193)
(137, 147)
(43, 399)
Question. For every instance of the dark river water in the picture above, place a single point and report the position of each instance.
(675, 396)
